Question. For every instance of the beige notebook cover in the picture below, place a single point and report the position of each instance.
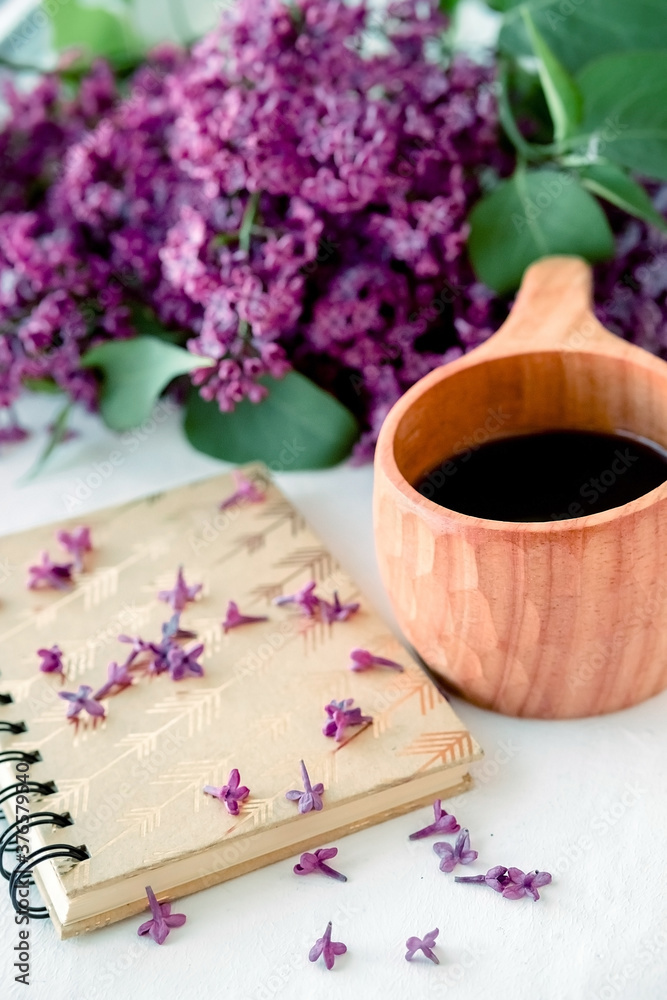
(133, 785)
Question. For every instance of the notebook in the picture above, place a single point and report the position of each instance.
(132, 783)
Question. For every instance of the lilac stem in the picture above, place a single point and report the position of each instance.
(423, 833)
(388, 663)
(470, 878)
(304, 777)
(332, 872)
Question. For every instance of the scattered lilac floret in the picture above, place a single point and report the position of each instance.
(48, 574)
(444, 822)
(77, 542)
(158, 651)
(234, 618)
(13, 434)
(341, 715)
(316, 863)
(139, 646)
(325, 946)
(525, 884)
(306, 599)
(425, 944)
(181, 594)
(311, 797)
(337, 612)
(231, 794)
(183, 663)
(512, 883)
(162, 921)
(363, 659)
(459, 854)
(118, 677)
(52, 661)
(82, 700)
(245, 490)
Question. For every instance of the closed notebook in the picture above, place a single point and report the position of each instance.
(132, 783)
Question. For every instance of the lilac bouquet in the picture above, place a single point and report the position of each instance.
(270, 214)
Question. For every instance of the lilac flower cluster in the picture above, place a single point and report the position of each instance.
(274, 194)
(278, 196)
(512, 883)
(49, 575)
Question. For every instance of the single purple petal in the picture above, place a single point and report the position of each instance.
(316, 950)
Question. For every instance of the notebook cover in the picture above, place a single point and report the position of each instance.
(133, 784)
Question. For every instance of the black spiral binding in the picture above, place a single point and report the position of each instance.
(8, 840)
(21, 877)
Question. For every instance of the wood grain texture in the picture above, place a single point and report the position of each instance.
(555, 619)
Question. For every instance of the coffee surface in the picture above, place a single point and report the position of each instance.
(547, 476)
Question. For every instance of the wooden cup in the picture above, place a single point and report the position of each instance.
(555, 619)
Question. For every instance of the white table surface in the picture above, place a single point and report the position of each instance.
(584, 800)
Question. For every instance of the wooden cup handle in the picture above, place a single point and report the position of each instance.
(553, 311)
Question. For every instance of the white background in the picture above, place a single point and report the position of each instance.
(584, 800)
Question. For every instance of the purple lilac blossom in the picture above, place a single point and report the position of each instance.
(47, 574)
(315, 862)
(512, 883)
(459, 854)
(52, 660)
(444, 822)
(245, 490)
(77, 542)
(118, 677)
(341, 715)
(234, 618)
(231, 794)
(325, 946)
(338, 611)
(82, 700)
(181, 594)
(183, 663)
(162, 919)
(363, 659)
(305, 599)
(311, 796)
(425, 945)
(354, 175)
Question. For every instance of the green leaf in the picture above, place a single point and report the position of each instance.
(98, 32)
(625, 110)
(560, 90)
(134, 373)
(578, 31)
(611, 183)
(46, 385)
(297, 426)
(58, 430)
(534, 214)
